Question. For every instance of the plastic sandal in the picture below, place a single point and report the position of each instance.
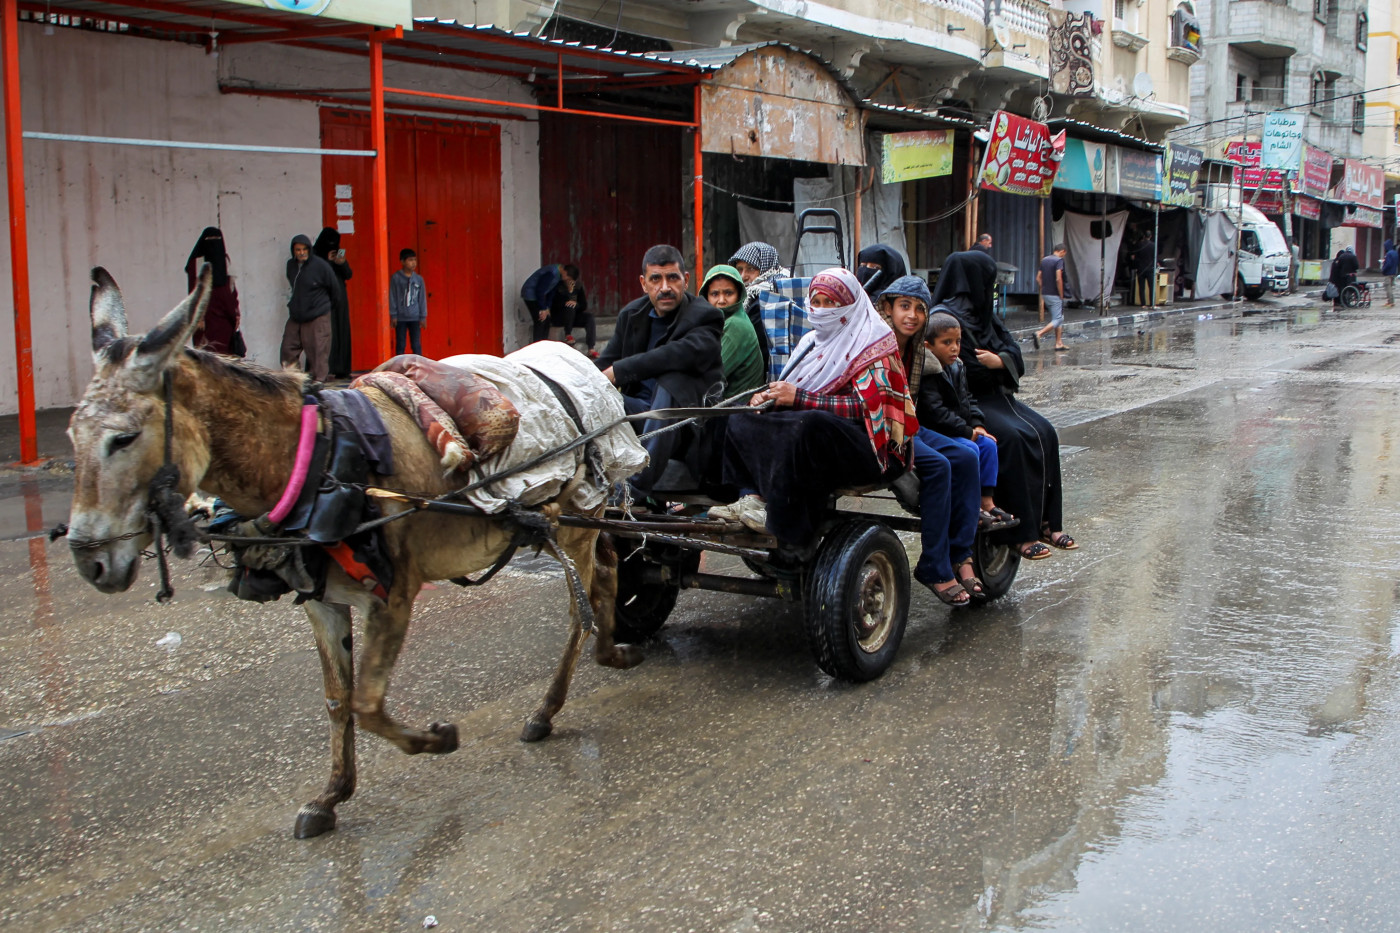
(1060, 540)
(1033, 550)
(971, 583)
(954, 595)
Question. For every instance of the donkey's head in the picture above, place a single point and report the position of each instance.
(118, 433)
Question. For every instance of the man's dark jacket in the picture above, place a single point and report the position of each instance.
(315, 286)
(945, 405)
(686, 363)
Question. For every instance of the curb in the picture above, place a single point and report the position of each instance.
(1096, 324)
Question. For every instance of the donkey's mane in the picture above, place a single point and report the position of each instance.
(260, 379)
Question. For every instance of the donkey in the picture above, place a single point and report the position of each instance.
(235, 430)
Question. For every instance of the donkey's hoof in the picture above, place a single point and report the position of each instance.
(446, 734)
(622, 657)
(536, 729)
(313, 820)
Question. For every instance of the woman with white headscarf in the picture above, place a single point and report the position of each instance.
(843, 418)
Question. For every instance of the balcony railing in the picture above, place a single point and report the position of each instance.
(1026, 17)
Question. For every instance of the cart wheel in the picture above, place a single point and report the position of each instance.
(858, 600)
(995, 565)
(644, 602)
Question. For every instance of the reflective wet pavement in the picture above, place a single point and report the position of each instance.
(1191, 721)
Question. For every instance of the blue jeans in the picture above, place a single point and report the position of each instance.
(949, 502)
(660, 448)
(987, 464)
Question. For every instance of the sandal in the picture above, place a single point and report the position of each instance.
(1060, 540)
(1033, 550)
(996, 519)
(954, 595)
(971, 583)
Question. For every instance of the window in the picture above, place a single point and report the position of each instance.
(1358, 114)
(1397, 128)
(1249, 243)
(1319, 92)
(1269, 87)
(1320, 10)
(1119, 11)
(1241, 87)
(1186, 32)
(1363, 24)
(1334, 15)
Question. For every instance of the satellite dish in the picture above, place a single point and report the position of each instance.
(1142, 84)
(1001, 32)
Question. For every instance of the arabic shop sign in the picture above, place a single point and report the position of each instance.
(1183, 173)
(373, 12)
(1283, 141)
(1364, 185)
(1316, 176)
(922, 154)
(1021, 157)
(1246, 153)
(1139, 174)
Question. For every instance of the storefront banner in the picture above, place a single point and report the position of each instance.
(1247, 154)
(1021, 157)
(1183, 173)
(1283, 140)
(1085, 167)
(1307, 208)
(1139, 174)
(1316, 177)
(374, 12)
(922, 154)
(1268, 202)
(1364, 217)
(1362, 184)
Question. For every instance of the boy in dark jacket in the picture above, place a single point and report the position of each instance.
(946, 406)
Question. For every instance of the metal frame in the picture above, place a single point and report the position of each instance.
(590, 69)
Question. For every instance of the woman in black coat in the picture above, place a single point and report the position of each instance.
(1028, 484)
(327, 246)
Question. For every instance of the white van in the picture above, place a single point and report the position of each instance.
(1264, 257)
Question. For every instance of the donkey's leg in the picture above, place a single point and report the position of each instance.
(330, 623)
(541, 722)
(603, 596)
(385, 627)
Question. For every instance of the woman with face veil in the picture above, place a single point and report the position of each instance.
(877, 266)
(1028, 447)
(327, 246)
(843, 417)
(219, 329)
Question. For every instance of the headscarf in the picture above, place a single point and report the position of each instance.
(964, 289)
(728, 272)
(210, 248)
(842, 347)
(327, 242)
(911, 349)
(891, 267)
(762, 256)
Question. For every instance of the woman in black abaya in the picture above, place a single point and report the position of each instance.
(1027, 445)
(327, 246)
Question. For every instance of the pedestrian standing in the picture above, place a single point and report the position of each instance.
(1390, 266)
(1051, 280)
(327, 246)
(315, 292)
(218, 331)
(984, 243)
(408, 303)
(1144, 269)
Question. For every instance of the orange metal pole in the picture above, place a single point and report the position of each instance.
(19, 233)
(379, 200)
(699, 194)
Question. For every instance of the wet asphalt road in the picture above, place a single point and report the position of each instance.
(1192, 722)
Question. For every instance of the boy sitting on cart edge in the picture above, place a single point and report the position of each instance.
(664, 353)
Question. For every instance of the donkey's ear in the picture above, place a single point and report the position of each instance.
(168, 338)
(108, 312)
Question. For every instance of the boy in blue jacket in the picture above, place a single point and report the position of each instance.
(408, 303)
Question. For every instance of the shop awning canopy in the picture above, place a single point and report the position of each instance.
(1098, 134)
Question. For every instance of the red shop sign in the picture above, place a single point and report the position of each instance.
(1021, 156)
(1317, 173)
(1307, 208)
(1247, 154)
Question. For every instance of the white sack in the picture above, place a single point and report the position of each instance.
(545, 425)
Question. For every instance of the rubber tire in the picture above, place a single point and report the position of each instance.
(643, 608)
(834, 590)
(996, 566)
(1351, 296)
(1252, 292)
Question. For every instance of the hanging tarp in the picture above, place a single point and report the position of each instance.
(1093, 241)
(1215, 266)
